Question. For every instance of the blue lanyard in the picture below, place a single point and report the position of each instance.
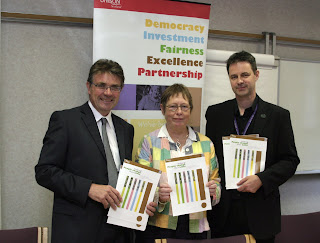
(248, 123)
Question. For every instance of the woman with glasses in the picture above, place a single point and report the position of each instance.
(176, 139)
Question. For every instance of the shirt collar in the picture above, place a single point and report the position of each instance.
(248, 112)
(163, 133)
(97, 115)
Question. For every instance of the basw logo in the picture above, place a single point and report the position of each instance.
(114, 3)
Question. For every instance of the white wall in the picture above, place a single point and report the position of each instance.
(295, 19)
(304, 101)
(44, 68)
(300, 194)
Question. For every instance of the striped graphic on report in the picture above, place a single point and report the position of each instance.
(135, 194)
(189, 186)
(246, 162)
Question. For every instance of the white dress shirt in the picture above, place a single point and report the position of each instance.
(111, 133)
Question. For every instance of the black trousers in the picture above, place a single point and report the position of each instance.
(87, 229)
(113, 233)
(237, 222)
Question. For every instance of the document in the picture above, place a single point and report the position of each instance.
(137, 185)
(187, 177)
(244, 155)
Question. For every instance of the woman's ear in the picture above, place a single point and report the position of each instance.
(162, 109)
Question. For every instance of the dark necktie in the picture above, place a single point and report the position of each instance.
(112, 169)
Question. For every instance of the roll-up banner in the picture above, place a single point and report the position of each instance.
(157, 43)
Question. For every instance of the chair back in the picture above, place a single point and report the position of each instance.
(26, 235)
(299, 228)
(232, 239)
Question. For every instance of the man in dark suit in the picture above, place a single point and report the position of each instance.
(254, 208)
(73, 162)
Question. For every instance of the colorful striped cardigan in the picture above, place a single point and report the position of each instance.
(152, 151)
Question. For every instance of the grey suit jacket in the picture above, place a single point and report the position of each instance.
(71, 159)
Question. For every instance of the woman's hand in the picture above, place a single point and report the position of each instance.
(164, 192)
(151, 208)
(212, 187)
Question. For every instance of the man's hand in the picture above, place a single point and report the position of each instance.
(106, 195)
(249, 184)
(151, 208)
(164, 192)
(212, 187)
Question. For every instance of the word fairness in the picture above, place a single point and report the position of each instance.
(169, 74)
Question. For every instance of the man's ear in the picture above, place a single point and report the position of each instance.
(88, 87)
(257, 73)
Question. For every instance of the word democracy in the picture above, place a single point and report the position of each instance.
(172, 74)
(173, 26)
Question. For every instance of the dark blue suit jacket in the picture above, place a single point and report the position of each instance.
(263, 207)
(71, 159)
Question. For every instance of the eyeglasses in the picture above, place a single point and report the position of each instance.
(174, 108)
(103, 87)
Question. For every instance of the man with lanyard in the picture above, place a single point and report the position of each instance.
(254, 208)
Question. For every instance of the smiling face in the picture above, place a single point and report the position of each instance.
(176, 119)
(104, 100)
(243, 79)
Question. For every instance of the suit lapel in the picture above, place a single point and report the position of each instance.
(91, 124)
(262, 116)
(120, 136)
(226, 118)
(230, 116)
